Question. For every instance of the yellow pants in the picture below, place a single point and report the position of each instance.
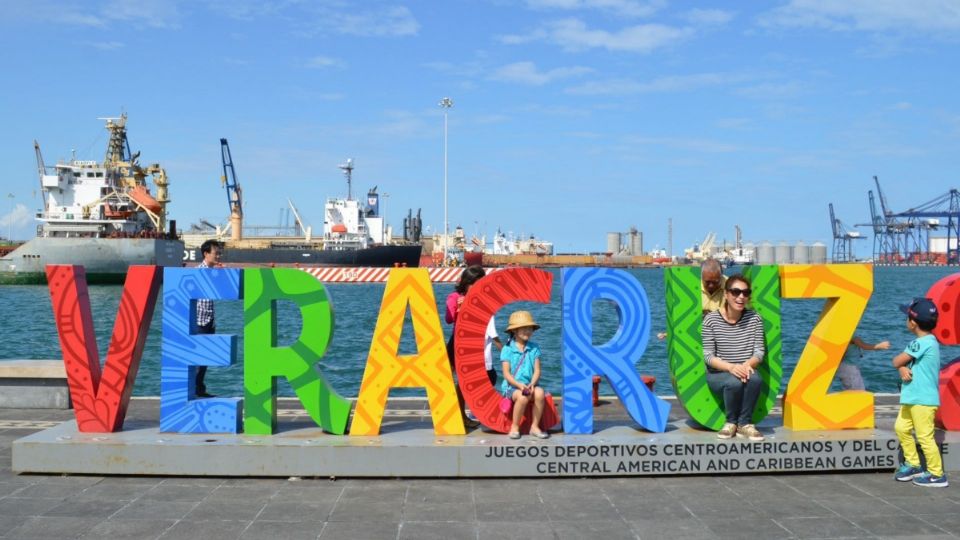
(918, 418)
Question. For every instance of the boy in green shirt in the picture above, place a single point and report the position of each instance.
(919, 367)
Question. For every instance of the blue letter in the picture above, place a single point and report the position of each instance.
(615, 359)
(183, 351)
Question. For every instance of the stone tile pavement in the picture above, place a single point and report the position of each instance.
(862, 505)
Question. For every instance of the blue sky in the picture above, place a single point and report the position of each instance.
(572, 118)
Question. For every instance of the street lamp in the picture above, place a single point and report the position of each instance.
(10, 217)
(446, 103)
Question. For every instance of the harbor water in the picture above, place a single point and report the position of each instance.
(28, 330)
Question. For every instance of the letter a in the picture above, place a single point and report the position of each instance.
(100, 399)
(429, 368)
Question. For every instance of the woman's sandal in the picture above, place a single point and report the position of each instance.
(540, 435)
(514, 435)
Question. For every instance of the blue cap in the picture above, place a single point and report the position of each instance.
(922, 310)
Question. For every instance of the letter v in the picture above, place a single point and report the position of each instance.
(100, 400)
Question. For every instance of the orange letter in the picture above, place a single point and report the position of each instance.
(807, 405)
(429, 368)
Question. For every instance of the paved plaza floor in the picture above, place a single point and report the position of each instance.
(857, 505)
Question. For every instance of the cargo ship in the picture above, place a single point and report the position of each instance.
(354, 234)
(98, 215)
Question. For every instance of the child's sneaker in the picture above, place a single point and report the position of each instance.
(928, 480)
(907, 472)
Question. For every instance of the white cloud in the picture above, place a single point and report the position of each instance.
(708, 17)
(153, 13)
(867, 15)
(18, 217)
(150, 13)
(387, 22)
(329, 17)
(671, 83)
(629, 8)
(574, 35)
(107, 45)
(527, 73)
(320, 62)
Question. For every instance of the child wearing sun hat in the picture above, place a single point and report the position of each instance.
(520, 359)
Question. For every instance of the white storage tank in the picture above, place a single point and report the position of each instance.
(801, 253)
(782, 254)
(765, 253)
(818, 253)
(636, 241)
(613, 242)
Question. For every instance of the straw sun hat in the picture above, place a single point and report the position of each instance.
(519, 319)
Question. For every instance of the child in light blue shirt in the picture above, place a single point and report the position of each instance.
(520, 359)
(919, 368)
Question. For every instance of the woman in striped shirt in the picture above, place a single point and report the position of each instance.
(733, 348)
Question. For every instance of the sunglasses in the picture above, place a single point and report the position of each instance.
(737, 291)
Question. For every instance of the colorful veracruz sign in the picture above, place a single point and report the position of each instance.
(101, 395)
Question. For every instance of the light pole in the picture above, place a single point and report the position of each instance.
(446, 103)
(10, 217)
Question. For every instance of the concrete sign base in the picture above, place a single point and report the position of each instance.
(410, 449)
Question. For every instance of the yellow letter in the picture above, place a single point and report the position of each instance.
(807, 406)
(429, 368)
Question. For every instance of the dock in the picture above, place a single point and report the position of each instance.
(842, 504)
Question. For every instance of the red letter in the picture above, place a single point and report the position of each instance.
(484, 299)
(100, 401)
(945, 294)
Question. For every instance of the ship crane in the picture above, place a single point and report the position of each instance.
(234, 194)
(842, 239)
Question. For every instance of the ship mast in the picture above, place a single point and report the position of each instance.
(347, 169)
(118, 148)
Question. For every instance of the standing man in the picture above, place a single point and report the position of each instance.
(206, 322)
(712, 283)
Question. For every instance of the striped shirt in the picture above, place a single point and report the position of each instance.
(734, 343)
(204, 306)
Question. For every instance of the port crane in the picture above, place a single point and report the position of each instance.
(904, 237)
(940, 213)
(842, 239)
(892, 239)
(234, 194)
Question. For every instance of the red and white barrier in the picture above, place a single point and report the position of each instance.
(379, 275)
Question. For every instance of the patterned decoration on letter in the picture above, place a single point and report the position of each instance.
(483, 300)
(948, 415)
(429, 368)
(945, 294)
(100, 399)
(264, 361)
(807, 405)
(688, 371)
(183, 350)
(766, 299)
(615, 359)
